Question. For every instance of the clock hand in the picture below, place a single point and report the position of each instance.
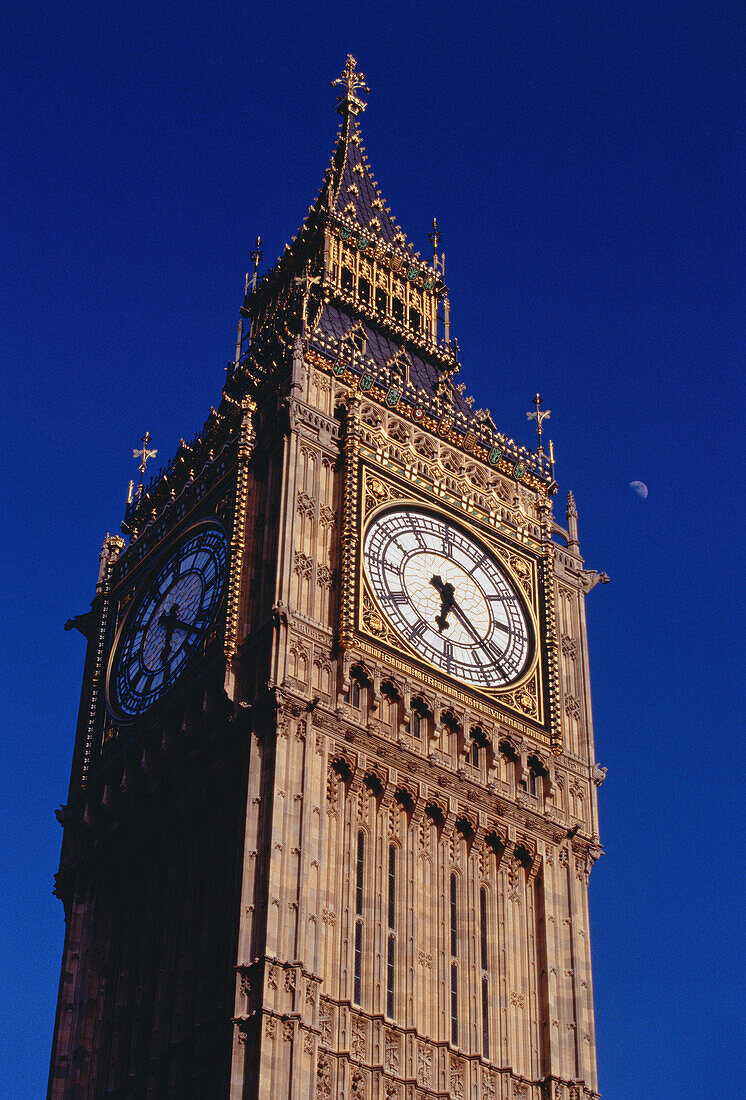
(186, 626)
(448, 603)
(467, 623)
(169, 621)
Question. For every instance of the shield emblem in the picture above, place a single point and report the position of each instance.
(412, 274)
(366, 381)
(419, 412)
(519, 470)
(495, 455)
(469, 440)
(392, 397)
(363, 242)
(429, 283)
(344, 232)
(339, 367)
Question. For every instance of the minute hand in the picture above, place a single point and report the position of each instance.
(466, 622)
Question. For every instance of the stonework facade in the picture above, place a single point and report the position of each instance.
(317, 865)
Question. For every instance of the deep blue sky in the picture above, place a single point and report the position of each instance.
(585, 162)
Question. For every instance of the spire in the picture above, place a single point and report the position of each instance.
(572, 523)
(350, 102)
(351, 191)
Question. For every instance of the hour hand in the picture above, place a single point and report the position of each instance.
(186, 626)
(447, 602)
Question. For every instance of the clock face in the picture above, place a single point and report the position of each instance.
(167, 622)
(447, 596)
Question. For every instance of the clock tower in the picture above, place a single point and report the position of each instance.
(332, 810)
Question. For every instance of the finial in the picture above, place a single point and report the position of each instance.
(436, 240)
(539, 417)
(239, 335)
(349, 102)
(257, 256)
(144, 455)
(306, 282)
(572, 524)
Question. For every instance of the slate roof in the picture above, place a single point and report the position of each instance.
(354, 190)
(333, 323)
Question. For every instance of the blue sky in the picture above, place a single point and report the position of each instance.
(585, 163)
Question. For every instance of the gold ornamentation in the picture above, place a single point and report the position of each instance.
(238, 541)
(349, 521)
(552, 648)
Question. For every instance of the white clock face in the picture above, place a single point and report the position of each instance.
(447, 596)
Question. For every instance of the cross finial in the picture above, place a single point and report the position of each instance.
(539, 417)
(436, 239)
(350, 102)
(257, 256)
(144, 455)
(306, 282)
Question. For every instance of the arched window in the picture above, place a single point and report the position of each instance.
(535, 773)
(359, 875)
(390, 958)
(485, 975)
(451, 733)
(358, 961)
(346, 279)
(390, 705)
(454, 966)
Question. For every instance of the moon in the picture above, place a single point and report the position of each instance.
(640, 488)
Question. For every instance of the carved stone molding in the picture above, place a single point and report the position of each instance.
(424, 1065)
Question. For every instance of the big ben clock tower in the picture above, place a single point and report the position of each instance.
(333, 800)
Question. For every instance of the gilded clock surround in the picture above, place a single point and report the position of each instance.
(527, 699)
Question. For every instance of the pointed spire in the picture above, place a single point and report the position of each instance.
(351, 191)
(239, 334)
(572, 523)
(350, 103)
